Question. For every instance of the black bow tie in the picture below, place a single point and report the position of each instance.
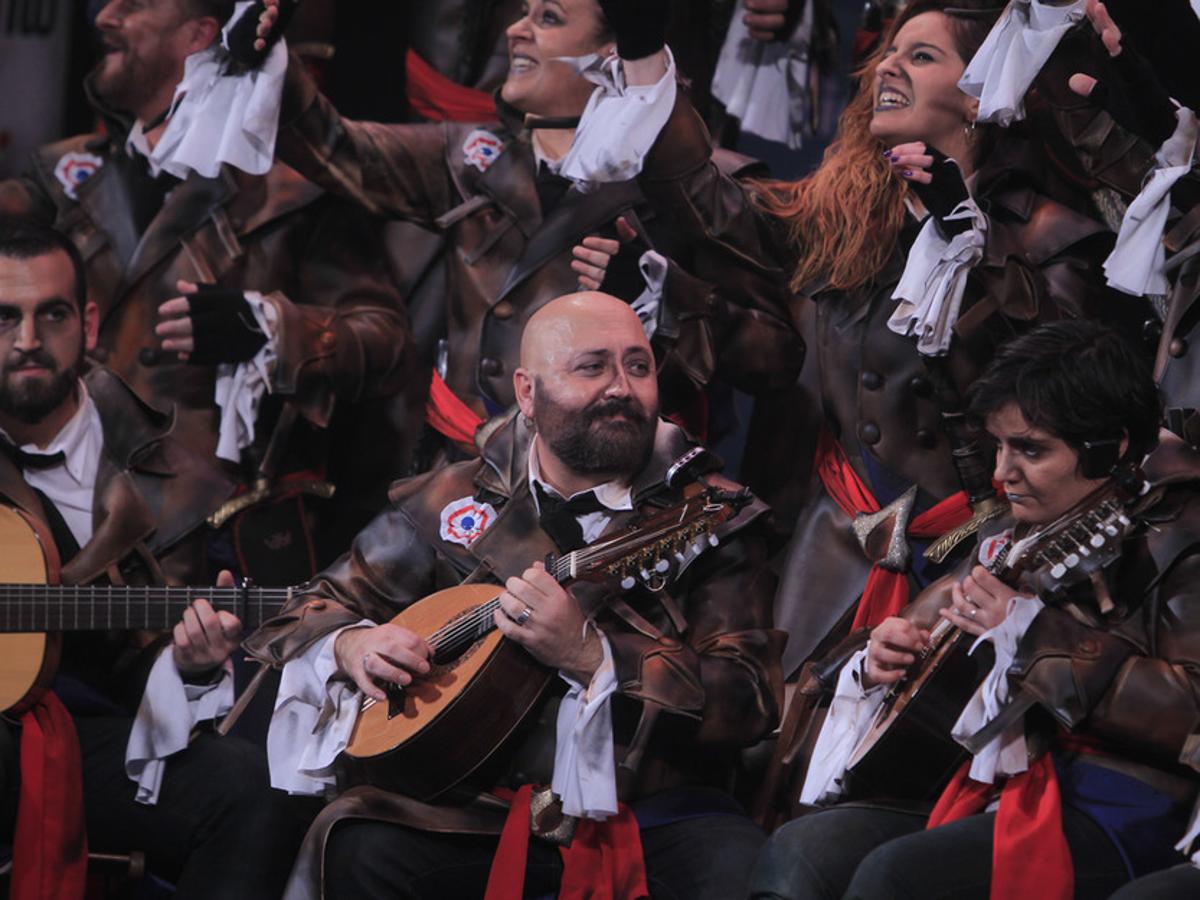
(23, 460)
(559, 517)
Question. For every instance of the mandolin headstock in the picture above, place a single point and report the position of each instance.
(655, 547)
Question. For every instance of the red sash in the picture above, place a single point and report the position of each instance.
(1030, 856)
(449, 415)
(435, 97)
(50, 845)
(886, 593)
(604, 861)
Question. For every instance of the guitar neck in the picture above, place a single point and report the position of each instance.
(41, 607)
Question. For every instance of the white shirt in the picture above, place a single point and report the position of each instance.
(71, 485)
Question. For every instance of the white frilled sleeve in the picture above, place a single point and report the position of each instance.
(165, 718)
(1005, 754)
(314, 715)
(220, 117)
(654, 268)
(240, 388)
(584, 769)
(1137, 262)
(619, 125)
(931, 289)
(851, 713)
(1019, 44)
(757, 80)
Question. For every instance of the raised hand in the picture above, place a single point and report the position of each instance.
(537, 613)
(386, 653)
(894, 646)
(640, 26)
(1133, 95)
(209, 325)
(204, 638)
(258, 29)
(767, 19)
(935, 178)
(594, 253)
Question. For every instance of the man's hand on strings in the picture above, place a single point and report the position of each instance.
(204, 638)
(385, 653)
(537, 613)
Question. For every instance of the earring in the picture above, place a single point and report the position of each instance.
(528, 422)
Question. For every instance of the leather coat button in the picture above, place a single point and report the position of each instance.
(328, 339)
(315, 605)
(1151, 331)
(872, 381)
(868, 433)
(99, 354)
(668, 641)
(1088, 647)
(927, 438)
(921, 386)
(491, 366)
(149, 356)
(503, 310)
(1178, 347)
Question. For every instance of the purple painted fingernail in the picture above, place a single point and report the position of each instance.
(887, 153)
(907, 173)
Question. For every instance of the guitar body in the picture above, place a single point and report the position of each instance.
(27, 661)
(442, 727)
(911, 732)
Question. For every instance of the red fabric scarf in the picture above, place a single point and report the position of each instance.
(886, 592)
(435, 97)
(50, 846)
(604, 861)
(449, 415)
(1030, 856)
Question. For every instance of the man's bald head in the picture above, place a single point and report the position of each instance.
(570, 323)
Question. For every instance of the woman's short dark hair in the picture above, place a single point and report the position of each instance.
(1078, 380)
(21, 239)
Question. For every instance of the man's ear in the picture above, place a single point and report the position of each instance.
(523, 387)
(91, 325)
(201, 33)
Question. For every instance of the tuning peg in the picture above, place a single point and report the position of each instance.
(680, 558)
(1097, 541)
(1071, 561)
(713, 540)
(662, 567)
(628, 583)
(644, 574)
(1058, 570)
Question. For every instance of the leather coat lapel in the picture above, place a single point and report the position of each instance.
(121, 517)
(184, 209)
(509, 183)
(576, 216)
(105, 200)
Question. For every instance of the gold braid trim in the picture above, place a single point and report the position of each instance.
(985, 511)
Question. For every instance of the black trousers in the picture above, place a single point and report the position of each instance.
(1176, 883)
(218, 830)
(872, 853)
(707, 858)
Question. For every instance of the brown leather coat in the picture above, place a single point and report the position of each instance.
(702, 652)
(508, 258)
(342, 328)
(152, 497)
(881, 400)
(1129, 678)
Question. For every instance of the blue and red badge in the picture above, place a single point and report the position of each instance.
(466, 519)
(74, 169)
(990, 548)
(481, 149)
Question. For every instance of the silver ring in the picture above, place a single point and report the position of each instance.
(971, 612)
(366, 656)
(524, 616)
(970, 599)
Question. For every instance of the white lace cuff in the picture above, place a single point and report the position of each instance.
(240, 388)
(619, 125)
(757, 79)
(222, 118)
(1005, 754)
(1137, 262)
(314, 715)
(931, 289)
(654, 268)
(1015, 50)
(165, 718)
(584, 769)
(851, 713)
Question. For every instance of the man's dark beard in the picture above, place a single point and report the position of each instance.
(612, 446)
(32, 401)
(133, 85)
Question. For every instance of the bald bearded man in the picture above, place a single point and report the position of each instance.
(664, 687)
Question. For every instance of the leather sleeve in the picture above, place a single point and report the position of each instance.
(722, 679)
(1146, 702)
(387, 567)
(397, 171)
(733, 308)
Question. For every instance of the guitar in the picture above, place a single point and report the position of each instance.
(33, 612)
(911, 729)
(427, 737)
